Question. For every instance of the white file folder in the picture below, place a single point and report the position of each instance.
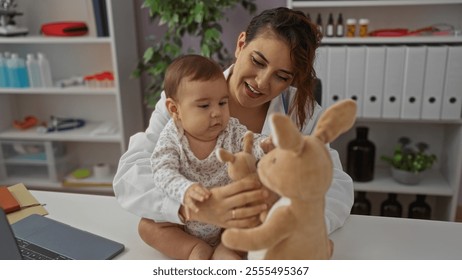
(320, 63)
(435, 70)
(355, 60)
(452, 95)
(414, 73)
(336, 66)
(373, 88)
(394, 79)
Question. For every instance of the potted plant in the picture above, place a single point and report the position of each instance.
(200, 19)
(409, 161)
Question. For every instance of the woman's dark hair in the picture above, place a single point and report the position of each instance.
(303, 39)
(192, 67)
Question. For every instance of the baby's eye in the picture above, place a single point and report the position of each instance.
(203, 106)
(223, 103)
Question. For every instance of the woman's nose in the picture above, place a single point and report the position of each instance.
(262, 80)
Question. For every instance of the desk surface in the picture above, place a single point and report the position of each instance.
(362, 237)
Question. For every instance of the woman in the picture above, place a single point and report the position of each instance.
(273, 72)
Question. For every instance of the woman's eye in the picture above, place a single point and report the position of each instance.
(256, 62)
(285, 79)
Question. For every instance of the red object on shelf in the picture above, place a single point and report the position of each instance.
(64, 28)
(28, 122)
(395, 32)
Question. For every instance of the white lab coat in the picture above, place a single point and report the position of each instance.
(133, 182)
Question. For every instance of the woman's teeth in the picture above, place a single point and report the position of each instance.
(252, 89)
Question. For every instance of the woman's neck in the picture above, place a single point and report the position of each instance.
(252, 118)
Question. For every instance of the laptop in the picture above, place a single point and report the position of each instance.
(38, 237)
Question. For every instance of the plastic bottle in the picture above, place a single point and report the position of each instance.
(330, 26)
(351, 27)
(12, 64)
(3, 72)
(33, 70)
(22, 73)
(363, 27)
(361, 156)
(45, 70)
(339, 28)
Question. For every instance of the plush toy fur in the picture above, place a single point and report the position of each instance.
(241, 164)
(299, 168)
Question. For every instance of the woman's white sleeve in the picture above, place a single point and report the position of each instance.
(133, 182)
(340, 196)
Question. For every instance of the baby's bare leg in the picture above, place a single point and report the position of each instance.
(165, 238)
(223, 253)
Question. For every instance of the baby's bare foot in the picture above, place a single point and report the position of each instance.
(223, 253)
(202, 251)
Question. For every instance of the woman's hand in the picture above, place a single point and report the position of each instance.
(229, 206)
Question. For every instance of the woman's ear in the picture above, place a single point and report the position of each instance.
(172, 108)
(240, 44)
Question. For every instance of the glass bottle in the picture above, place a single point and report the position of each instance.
(330, 26)
(391, 206)
(339, 28)
(362, 205)
(361, 156)
(419, 209)
(319, 23)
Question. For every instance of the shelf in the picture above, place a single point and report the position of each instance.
(61, 91)
(393, 40)
(433, 184)
(410, 121)
(84, 134)
(54, 40)
(311, 4)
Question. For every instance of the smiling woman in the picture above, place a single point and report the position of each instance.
(273, 72)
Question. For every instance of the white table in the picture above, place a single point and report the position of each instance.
(362, 237)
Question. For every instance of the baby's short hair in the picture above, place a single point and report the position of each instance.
(192, 67)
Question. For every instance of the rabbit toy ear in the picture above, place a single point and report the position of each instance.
(285, 134)
(248, 142)
(336, 120)
(225, 156)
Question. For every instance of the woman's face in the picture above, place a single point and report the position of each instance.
(263, 69)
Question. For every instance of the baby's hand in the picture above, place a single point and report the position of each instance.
(267, 145)
(195, 193)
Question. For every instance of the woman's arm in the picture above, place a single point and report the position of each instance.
(340, 196)
(133, 183)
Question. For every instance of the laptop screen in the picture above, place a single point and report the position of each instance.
(8, 248)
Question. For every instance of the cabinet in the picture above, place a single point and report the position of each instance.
(111, 113)
(444, 135)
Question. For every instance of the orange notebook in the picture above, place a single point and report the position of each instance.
(7, 201)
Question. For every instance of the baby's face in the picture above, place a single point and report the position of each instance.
(203, 108)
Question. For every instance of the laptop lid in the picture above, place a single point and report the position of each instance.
(65, 240)
(8, 248)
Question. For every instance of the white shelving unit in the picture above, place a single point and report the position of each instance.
(112, 114)
(441, 184)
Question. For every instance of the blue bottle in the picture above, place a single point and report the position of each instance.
(3, 72)
(22, 73)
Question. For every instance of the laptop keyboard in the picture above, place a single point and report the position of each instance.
(30, 251)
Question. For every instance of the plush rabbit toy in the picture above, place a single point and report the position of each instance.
(299, 168)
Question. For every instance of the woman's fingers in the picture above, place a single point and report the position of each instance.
(246, 184)
(243, 223)
(247, 212)
(245, 198)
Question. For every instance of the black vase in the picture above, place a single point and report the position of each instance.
(362, 205)
(361, 156)
(419, 209)
(391, 206)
